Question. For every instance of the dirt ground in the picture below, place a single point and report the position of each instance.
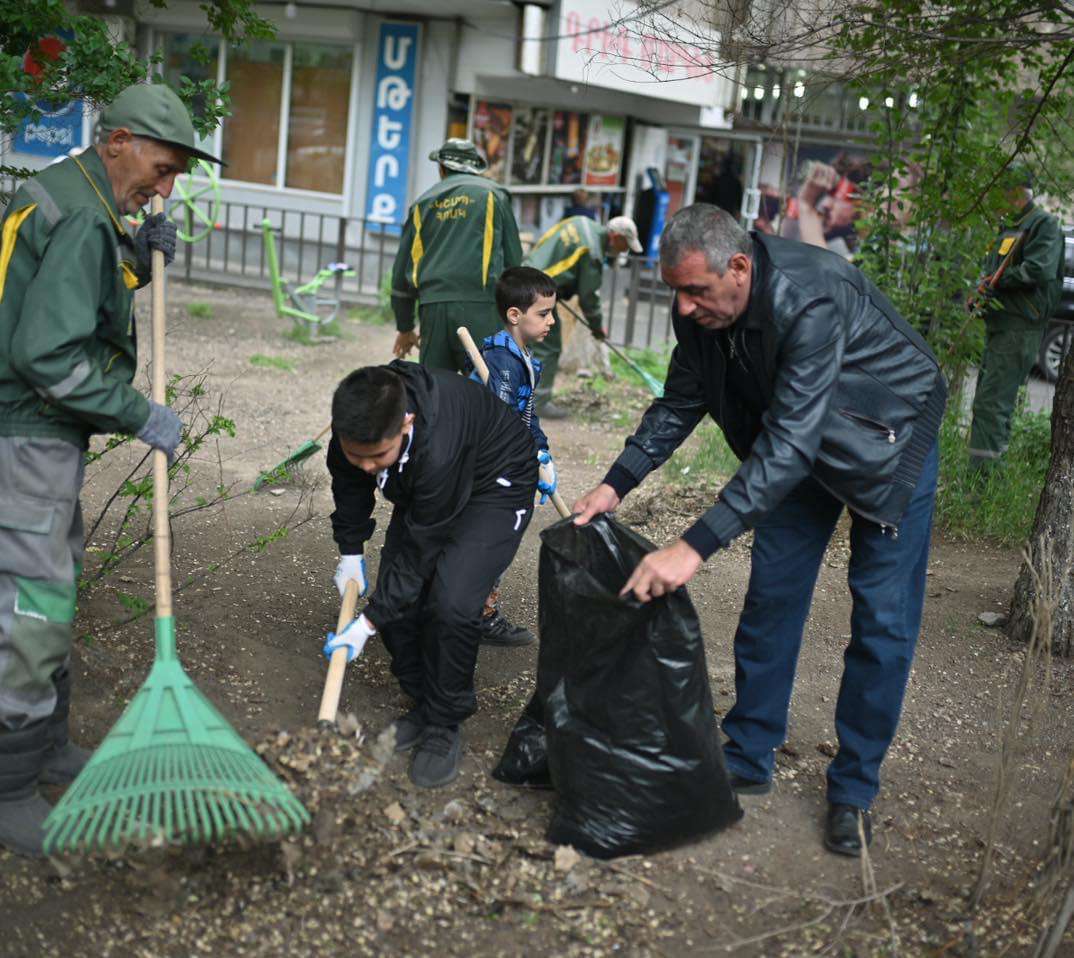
(389, 869)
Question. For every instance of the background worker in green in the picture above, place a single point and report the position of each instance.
(1016, 317)
(458, 237)
(573, 252)
(68, 272)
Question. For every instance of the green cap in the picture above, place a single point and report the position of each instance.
(461, 156)
(154, 110)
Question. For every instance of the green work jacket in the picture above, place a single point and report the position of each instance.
(572, 252)
(458, 237)
(1029, 290)
(67, 281)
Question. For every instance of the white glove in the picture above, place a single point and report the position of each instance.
(353, 638)
(546, 475)
(351, 567)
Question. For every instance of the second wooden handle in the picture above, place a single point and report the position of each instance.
(333, 683)
(483, 371)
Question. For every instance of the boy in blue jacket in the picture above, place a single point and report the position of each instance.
(526, 302)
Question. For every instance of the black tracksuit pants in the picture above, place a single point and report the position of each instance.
(434, 646)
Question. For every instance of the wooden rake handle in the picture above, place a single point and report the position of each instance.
(337, 665)
(161, 529)
(483, 371)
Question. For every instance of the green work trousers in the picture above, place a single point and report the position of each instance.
(440, 346)
(547, 351)
(1009, 355)
(41, 552)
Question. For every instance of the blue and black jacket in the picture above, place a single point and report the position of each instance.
(509, 379)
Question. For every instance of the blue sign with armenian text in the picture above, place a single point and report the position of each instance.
(393, 112)
(58, 130)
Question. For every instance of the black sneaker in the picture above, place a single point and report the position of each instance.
(496, 630)
(436, 761)
(550, 410)
(409, 729)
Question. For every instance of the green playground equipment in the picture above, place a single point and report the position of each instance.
(310, 310)
(191, 219)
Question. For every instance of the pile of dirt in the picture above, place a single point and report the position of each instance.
(384, 869)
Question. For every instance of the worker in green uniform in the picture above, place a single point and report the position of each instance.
(458, 237)
(573, 252)
(68, 272)
(1021, 304)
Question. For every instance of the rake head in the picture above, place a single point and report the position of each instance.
(280, 471)
(171, 772)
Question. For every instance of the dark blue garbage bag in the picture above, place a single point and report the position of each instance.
(621, 724)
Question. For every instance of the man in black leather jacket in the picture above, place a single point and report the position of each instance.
(830, 399)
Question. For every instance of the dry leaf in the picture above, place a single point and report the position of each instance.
(566, 858)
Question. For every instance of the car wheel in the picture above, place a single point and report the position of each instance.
(1051, 354)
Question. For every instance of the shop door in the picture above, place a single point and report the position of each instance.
(680, 169)
(727, 172)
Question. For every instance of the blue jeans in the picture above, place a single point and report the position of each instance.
(887, 584)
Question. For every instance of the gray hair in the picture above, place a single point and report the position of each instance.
(706, 229)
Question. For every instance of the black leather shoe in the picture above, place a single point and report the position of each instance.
(841, 829)
(750, 786)
(496, 630)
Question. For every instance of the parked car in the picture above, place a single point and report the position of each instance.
(1059, 339)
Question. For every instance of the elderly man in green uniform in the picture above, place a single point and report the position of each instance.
(573, 252)
(458, 237)
(1022, 302)
(68, 272)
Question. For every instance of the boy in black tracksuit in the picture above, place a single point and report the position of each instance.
(461, 470)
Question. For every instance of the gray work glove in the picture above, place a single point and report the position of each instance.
(162, 430)
(157, 232)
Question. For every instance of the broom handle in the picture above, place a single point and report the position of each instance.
(483, 371)
(161, 530)
(337, 665)
(324, 432)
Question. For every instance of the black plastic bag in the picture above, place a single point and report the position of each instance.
(632, 747)
(525, 760)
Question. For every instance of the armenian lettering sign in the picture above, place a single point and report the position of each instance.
(393, 112)
(58, 130)
(621, 45)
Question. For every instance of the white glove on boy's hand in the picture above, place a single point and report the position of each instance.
(353, 638)
(351, 567)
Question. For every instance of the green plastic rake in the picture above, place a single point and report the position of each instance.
(651, 382)
(301, 454)
(171, 771)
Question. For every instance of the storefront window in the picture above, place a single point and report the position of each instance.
(252, 132)
(530, 137)
(492, 131)
(317, 121)
(604, 150)
(568, 147)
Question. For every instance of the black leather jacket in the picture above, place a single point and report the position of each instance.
(851, 395)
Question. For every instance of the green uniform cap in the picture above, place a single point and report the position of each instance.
(461, 156)
(154, 110)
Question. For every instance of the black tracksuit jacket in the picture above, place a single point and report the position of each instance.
(466, 445)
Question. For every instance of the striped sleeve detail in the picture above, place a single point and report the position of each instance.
(8, 238)
(490, 233)
(49, 209)
(417, 249)
(565, 264)
(549, 233)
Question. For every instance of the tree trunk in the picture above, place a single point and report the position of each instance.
(1054, 525)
